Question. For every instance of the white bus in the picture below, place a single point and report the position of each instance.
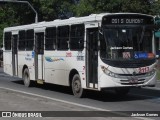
(99, 51)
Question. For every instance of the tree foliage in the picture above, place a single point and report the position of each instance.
(12, 14)
(85, 7)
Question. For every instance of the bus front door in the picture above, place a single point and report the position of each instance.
(92, 57)
(14, 55)
(39, 52)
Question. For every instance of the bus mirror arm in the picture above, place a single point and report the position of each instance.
(98, 47)
(100, 32)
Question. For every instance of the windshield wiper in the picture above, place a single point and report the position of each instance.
(140, 41)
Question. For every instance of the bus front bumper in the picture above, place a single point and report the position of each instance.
(106, 81)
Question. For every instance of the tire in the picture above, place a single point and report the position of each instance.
(26, 78)
(77, 89)
(122, 91)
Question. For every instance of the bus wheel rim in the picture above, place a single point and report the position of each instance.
(77, 86)
(26, 78)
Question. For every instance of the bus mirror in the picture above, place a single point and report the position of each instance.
(157, 20)
(157, 26)
(100, 32)
(157, 34)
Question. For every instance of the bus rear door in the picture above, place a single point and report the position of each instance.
(39, 52)
(14, 53)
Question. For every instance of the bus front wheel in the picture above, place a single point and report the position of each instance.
(77, 89)
(26, 77)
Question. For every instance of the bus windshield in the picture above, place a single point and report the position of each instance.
(126, 43)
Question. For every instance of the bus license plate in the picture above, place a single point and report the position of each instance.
(133, 81)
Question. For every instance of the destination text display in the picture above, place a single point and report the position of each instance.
(130, 19)
(126, 21)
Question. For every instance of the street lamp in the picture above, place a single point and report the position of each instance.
(24, 2)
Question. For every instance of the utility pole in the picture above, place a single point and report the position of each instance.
(24, 2)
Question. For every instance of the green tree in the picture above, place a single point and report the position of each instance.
(155, 8)
(13, 14)
(7, 15)
(86, 7)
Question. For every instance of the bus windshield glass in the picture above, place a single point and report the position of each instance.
(126, 43)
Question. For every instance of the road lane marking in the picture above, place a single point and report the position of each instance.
(72, 103)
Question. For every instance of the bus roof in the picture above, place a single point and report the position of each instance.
(59, 22)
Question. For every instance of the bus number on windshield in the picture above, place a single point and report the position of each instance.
(143, 69)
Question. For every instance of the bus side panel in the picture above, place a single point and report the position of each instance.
(55, 67)
(7, 62)
(49, 67)
(76, 60)
(25, 58)
(58, 65)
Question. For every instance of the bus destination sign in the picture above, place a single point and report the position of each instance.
(128, 19)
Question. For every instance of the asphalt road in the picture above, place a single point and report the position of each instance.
(15, 96)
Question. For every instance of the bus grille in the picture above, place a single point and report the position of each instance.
(132, 82)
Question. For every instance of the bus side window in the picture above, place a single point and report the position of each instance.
(77, 37)
(21, 44)
(29, 39)
(50, 39)
(63, 37)
(7, 40)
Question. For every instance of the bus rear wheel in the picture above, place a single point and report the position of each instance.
(26, 78)
(77, 89)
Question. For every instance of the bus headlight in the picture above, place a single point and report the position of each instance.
(108, 72)
(151, 72)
